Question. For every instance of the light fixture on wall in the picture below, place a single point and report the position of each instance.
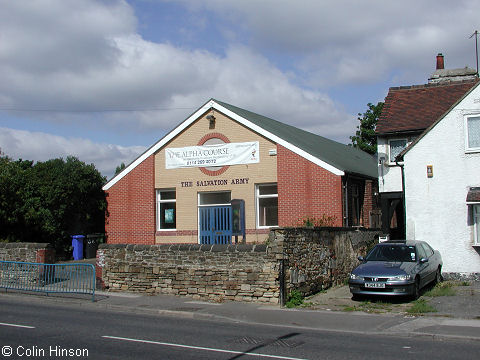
(211, 120)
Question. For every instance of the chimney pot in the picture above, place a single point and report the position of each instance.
(440, 62)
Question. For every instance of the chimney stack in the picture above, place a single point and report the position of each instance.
(440, 62)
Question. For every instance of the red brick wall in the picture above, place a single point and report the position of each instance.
(45, 256)
(370, 207)
(131, 207)
(305, 189)
(367, 203)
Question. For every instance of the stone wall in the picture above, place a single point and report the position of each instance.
(27, 252)
(211, 272)
(307, 260)
(318, 258)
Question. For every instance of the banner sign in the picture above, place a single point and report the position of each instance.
(212, 155)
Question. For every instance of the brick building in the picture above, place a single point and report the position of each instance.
(226, 173)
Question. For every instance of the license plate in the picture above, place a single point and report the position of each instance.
(375, 285)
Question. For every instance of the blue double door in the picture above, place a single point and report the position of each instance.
(215, 224)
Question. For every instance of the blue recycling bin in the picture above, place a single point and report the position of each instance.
(77, 243)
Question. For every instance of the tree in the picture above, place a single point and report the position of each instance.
(50, 201)
(365, 138)
(119, 168)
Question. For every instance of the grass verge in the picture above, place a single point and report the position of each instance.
(421, 306)
(370, 307)
(445, 288)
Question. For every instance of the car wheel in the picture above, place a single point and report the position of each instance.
(356, 297)
(438, 276)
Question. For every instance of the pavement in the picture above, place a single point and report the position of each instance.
(457, 316)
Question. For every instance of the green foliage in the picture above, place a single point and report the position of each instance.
(445, 288)
(294, 299)
(365, 138)
(317, 222)
(421, 306)
(50, 201)
(370, 307)
(119, 168)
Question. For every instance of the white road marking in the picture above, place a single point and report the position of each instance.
(201, 348)
(16, 325)
(201, 303)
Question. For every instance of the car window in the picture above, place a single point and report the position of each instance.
(421, 252)
(428, 249)
(393, 252)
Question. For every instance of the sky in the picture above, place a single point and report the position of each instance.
(103, 80)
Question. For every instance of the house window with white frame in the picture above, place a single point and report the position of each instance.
(476, 224)
(267, 205)
(472, 138)
(395, 148)
(166, 209)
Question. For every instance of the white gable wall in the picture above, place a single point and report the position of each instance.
(436, 209)
(389, 175)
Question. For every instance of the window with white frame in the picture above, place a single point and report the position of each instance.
(395, 148)
(476, 225)
(472, 138)
(166, 209)
(267, 205)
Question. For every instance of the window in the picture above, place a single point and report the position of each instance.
(355, 216)
(421, 252)
(396, 147)
(472, 140)
(214, 198)
(476, 225)
(166, 210)
(427, 248)
(267, 205)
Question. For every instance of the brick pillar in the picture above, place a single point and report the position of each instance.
(45, 255)
(99, 264)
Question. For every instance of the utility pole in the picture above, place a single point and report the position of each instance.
(476, 46)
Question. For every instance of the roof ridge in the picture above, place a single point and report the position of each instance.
(433, 85)
(278, 122)
(328, 150)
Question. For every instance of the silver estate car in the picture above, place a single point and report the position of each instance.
(399, 268)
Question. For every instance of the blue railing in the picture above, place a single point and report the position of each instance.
(48, 278)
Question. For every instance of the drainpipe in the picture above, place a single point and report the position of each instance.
(282, 296)
(345, 201)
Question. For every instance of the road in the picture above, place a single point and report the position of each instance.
(49, 329)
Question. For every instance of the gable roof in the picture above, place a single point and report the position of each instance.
(426, 131)
(328, 154)
(415, 108)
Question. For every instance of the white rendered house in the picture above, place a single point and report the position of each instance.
(442, 186)
(408, 111)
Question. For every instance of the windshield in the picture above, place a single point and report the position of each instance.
(397, 252)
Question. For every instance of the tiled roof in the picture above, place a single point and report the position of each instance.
(415, 108)
(341, 156)
(333, 156)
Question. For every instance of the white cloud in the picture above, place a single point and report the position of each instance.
(80, 56)
(38, 146)
(351, 41)
(116, 68)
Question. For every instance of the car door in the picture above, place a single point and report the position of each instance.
(423, 270)
(432, 261)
